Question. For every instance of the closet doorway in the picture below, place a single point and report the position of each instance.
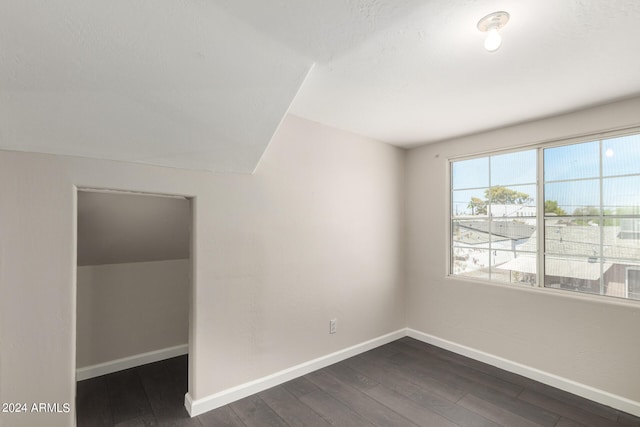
(133, 306)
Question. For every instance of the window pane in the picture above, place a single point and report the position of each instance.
(514, 168)
(513, 234)
(574, 197)
(621, 156)
(471, 233)
(622, 279)
(482, 244)
(494, 265)
(500, 275)
(571, 237)
(512, 201)
(521, 268)
(633, 282)
(469, 203)
(621, 238)
(529, 244)
(471, 262)
(472, 173)
(573, 273)
(572, 161)
(621, 196)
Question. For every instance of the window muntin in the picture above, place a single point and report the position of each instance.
(590, 214)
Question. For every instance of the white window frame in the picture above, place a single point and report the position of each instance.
(540, 218)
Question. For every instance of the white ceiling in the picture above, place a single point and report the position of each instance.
(204, 84)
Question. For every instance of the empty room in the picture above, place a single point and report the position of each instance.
(292, 213)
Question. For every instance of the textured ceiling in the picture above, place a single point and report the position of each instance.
(204, 84)
(428, 77)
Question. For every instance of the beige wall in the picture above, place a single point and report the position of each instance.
(132, 308)
(116, 228)
(133, 278)
(589, 340)
(315, 233)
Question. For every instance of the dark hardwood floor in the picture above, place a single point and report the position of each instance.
(405, 383)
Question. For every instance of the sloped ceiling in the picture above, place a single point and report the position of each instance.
(115, 228)
(203, 84)
(176, 83)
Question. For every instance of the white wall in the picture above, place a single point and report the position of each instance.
(589, 340)
(315, 233)
(131, 308)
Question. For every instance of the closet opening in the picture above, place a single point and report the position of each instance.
(134, 278)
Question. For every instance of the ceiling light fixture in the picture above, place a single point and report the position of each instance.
(490, 24)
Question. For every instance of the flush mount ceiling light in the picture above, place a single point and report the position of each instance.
(490, 24)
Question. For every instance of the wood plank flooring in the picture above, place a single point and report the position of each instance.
(406, 383)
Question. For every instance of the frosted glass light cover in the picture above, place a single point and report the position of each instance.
(493, 40)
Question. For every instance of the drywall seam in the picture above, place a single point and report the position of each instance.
(200, 406)
(588, 392)
(130, 362)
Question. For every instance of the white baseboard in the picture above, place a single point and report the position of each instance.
(130, 362)
(588, 392)
(200, 406)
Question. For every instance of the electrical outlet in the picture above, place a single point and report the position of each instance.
(333, 325)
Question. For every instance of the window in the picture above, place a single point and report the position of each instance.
(633, 283)
(583, 237)
(494, 216)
